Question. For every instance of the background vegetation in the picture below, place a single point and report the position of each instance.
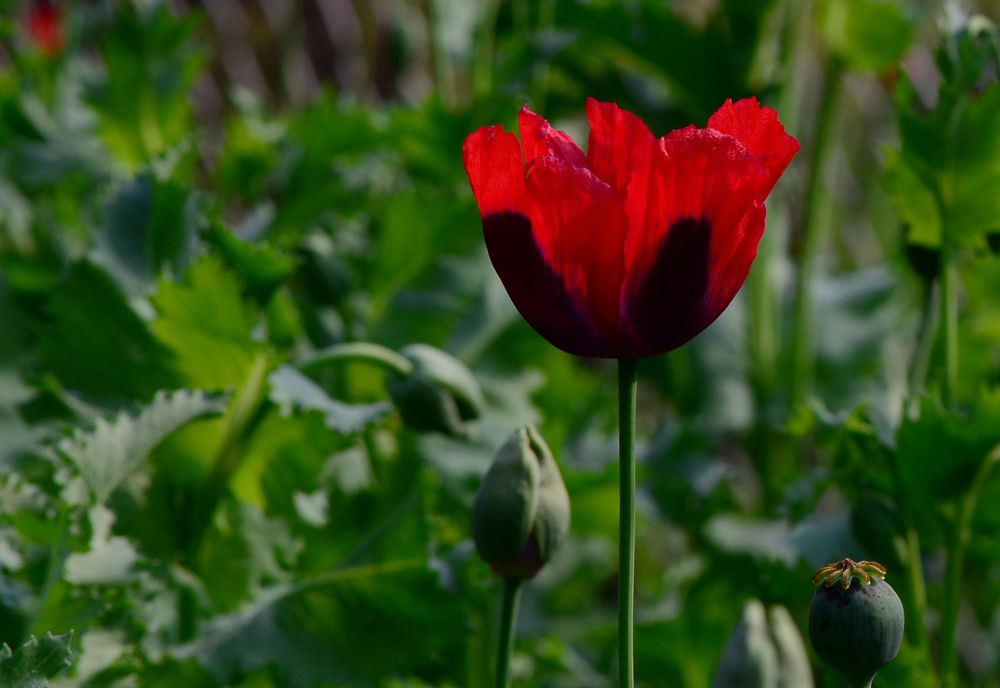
(195, 199)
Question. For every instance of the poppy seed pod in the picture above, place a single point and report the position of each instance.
(439, 394)
(520, 514)
(855, 620)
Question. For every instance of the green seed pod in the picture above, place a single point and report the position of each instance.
(856, 620)
(764, 650)
(438, 395)
(520, 514)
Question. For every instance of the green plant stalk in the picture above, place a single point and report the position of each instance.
(365, 352)
(482, 68)
(953, 572)
(248, 406)
(949, 320)
(802, 354)
(925, 345)
(53, 573)
(508, 622)
(627, 379)
(916, 628)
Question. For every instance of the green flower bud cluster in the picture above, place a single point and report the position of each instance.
(520, 514)
(437, 394)
(855, 620)
(764, 650)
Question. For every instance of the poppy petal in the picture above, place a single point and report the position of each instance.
(693, 211)
(495, 167)
(758, 129)
(619, 143)
(580, 225)
(540, 140)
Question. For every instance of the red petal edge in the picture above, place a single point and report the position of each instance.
(540, 139)
(619, 143)
(758, 129)
(695, 218)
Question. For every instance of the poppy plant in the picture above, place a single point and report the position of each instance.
(635, 247)
(628, 250)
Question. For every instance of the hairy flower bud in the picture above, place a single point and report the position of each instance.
(438, 395)
(764, 650)
(520, 514)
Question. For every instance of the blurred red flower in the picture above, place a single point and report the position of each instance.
(635, 247)
(45, 26)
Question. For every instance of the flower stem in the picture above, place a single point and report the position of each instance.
(949, 320)
(360, 351)
(802, 343)
(953, 573)
(508, 621)
(627, 378)
(925, 345)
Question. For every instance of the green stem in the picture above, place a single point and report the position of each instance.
(627, 379)
(925, 345)
(508, 622)
(949, 318)
(53, 573)
(810, 241)
(246, 410)
(953, 572)
(359, 351)
(482, 69)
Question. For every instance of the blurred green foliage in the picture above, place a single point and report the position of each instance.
(178, 241)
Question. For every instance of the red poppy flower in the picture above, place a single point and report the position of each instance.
(45, 26)
(633, 248)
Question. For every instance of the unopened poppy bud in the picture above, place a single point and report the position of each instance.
(764, 650)
(855, 620)
(439, 394)
(520, 515)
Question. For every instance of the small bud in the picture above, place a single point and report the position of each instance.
(855, 620)
(764, 650)
(520, 514)
(438, 395)
(749, 659)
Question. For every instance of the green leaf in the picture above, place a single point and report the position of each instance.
(149, 224)
(106, 455)
(943, 179)
(97, 344)
(291, 389)
(35, 661)
(207, 326)
(144, 104)
(866, 34)
(913, 199)
(941, 452)
(263, 268)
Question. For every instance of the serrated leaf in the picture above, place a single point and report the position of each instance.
(263, 268)
(149, 224)
(292, 389)
(37, 660)
(206, 324)
(941, 452)
(106, 455)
